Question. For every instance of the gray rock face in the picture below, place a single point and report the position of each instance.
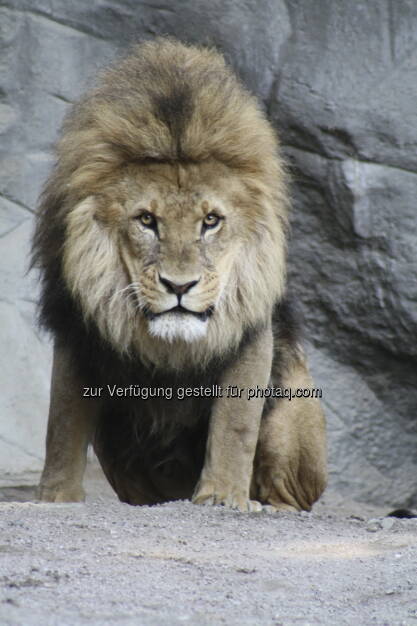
(345, 105)
(339, 81)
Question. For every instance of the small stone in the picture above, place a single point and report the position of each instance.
(373, 525)
(387, 523)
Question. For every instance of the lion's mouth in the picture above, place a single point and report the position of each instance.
(180, 310)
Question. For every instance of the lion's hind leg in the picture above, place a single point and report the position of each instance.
(290, 464)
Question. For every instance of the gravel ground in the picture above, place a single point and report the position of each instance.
(104, 562)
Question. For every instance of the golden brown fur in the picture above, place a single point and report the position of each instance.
(168, 140)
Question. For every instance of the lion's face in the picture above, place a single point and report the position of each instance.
(177, 231)
(174, 250)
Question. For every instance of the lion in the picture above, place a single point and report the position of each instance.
(161, 244)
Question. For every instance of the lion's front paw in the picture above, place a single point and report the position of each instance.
(208, 495)
(61, 493)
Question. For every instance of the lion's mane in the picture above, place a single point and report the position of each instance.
(165, 102)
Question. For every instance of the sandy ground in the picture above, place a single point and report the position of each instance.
(104, 562)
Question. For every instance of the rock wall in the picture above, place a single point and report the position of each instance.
(339, 80)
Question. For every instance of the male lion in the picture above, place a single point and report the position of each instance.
(161, 243)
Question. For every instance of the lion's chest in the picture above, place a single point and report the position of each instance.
(157, 434)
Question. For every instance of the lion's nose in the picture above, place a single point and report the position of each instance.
(179, 290)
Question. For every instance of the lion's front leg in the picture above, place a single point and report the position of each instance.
(234, 430)
(70, 425)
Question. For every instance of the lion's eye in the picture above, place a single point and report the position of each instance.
(211, 220)
(147, 219)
